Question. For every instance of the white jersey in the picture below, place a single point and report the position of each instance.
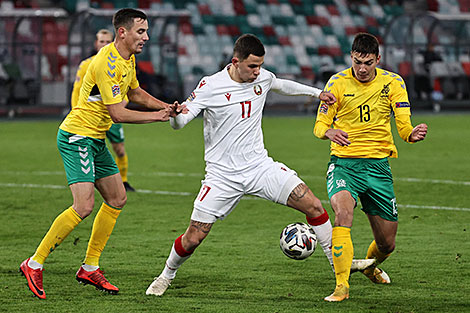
(233, 136)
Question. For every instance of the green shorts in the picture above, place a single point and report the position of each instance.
(115, 134)
(369, 179)
(85, 159)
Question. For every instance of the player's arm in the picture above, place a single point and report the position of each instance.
(406, 130)
(140, 96)
(292, 88)
(401, 109)
(120, 114)
(78, 83)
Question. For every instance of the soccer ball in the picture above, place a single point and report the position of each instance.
(298, 241)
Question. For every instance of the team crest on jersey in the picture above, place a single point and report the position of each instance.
(385, 90)
(258, 90)
(116, 90)
(402, 104)
(324, 108)
(191, 97)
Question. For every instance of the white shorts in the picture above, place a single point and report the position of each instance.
(220, 192)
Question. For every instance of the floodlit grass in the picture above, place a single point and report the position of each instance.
(239, 267)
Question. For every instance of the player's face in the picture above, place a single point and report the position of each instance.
(136, 37)
(248, 69)
(364, 66)
(102, 40)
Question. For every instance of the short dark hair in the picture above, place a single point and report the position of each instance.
(248, 44)
(125, 18)
(365, 43)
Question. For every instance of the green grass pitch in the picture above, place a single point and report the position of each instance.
(239, 267)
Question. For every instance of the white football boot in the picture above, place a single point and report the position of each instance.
(158, 286)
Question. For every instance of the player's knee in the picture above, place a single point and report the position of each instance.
(118, 202)
(83, 210)
(314, 207)
(386, 247)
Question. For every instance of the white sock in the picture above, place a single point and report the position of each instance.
(34, 265)
(172, 264)
(324, 234)
(89, 268)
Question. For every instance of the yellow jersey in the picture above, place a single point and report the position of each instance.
(364, 111)
(107, 78)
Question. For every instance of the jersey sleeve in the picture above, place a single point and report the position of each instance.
(326, 113)
(196, 102)
(78, 82)
(401, 108)
(108, 84)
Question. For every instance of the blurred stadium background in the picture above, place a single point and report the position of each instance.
(427, 42)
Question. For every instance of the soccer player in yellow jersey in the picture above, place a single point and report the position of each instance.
(88, 163)
(361, 143)
(116, 133)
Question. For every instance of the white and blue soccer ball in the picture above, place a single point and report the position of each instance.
(298, 241)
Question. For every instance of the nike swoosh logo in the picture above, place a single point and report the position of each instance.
(124, 75)
(40, 292)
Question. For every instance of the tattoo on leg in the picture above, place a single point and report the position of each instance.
(299, 192)
(203, 227)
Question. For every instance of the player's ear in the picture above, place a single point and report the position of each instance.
(378, 59)
(121, 32)
(235, 61)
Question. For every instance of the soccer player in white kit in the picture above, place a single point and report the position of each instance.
(237, 162)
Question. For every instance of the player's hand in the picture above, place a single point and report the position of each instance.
(327, 97)
(419, 132)
(338, 136)
(176, 109)
(163, 115)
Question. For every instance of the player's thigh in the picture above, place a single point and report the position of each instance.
(104, 163)
(112, 190)
(217, 197)
(115, 133)
(345, 174)
(275, 181)
(78, 155)
(379, 199)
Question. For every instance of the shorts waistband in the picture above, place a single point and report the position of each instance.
(339, 160)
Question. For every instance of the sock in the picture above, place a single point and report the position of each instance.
(60, 229)
(343, 253)
(322, 227)
(102, 229)
(122, 164)
(90, 268)
(34, 265)
(374, 252)
(177, 257)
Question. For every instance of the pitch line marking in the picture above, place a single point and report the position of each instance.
(201, 175)
(174, 193)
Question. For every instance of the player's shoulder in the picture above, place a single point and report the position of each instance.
(339, 78)
(107, 54)
(389, 77)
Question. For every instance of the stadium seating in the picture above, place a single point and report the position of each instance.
(304, 39)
